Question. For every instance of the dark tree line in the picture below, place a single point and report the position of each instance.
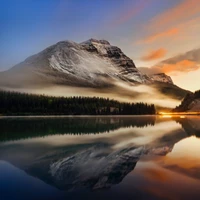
(187, 100)
(14, 103)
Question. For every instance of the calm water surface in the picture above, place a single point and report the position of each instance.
(100, 158)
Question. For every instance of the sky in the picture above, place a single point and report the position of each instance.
(159, 35)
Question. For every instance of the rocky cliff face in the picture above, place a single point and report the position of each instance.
(126, 68)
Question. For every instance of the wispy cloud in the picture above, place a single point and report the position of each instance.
(162, 35)
(179, 22)
(154, 55)
(182, 11)
(181, 66)
(187, 62)
(129, 14)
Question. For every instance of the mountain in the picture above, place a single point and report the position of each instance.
(191, 103)
(94, 64)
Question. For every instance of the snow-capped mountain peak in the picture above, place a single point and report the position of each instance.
(93, 63)
(93, 41)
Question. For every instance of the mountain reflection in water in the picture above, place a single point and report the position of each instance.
(142, 156)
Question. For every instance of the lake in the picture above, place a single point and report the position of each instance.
(112, 157)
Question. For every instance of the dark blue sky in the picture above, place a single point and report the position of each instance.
(28, 26)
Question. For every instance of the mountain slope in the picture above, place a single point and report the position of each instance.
(95, 65)
(191, 103)
(170, 90)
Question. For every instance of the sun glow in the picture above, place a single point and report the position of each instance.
(166, 116)
(181, 114)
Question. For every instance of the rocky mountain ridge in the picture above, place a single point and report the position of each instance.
(161, 77)
(93, 63)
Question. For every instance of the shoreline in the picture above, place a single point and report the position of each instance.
(84, 116)
(63, 116)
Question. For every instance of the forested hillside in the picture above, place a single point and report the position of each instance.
(13, 103)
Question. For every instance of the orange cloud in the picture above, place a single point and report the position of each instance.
(179, 66)
(184, 31)
(182, 66)
(165, 34)
(186, 62)
(153, 55)
(180, 22)
(182, 11)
